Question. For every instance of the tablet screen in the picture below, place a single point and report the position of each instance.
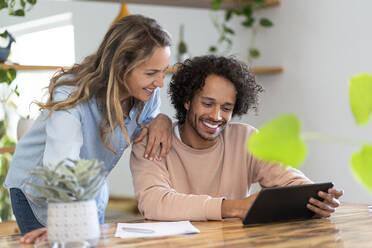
(284, 203)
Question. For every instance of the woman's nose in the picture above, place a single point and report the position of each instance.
(159, 82)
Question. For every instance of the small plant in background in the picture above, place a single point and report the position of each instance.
(281, 140)
(7, 90)
(226, 32)
(69, 180)
(17, 7)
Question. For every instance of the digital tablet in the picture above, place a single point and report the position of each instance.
(284, 203)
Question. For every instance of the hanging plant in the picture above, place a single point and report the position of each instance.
(6, 78)
(226, 32)
(17, 7)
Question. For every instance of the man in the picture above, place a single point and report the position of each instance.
(208, 171)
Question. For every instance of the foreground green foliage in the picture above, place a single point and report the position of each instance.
(361, 165)
(360, 93)
(279, 141)
(70, 180)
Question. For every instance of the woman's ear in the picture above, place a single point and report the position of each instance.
(187, 105)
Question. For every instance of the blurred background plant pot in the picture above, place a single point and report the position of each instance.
(73, 221)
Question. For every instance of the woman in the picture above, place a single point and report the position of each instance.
(94, 111)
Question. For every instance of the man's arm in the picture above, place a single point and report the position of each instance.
(267, 175)
(159, 201)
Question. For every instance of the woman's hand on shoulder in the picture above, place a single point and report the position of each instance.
(35, 236)
(159, 141)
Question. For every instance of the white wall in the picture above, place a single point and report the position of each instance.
(320, 44)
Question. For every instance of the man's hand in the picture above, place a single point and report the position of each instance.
(159, 132)
(326, 207)
(35, 236)
(237, 208)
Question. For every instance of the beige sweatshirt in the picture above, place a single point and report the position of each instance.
(190, 184)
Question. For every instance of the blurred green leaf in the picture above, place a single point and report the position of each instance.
(248, 22)
(361, 165)
(228, 14)
(254, 53)
(247, 11)
(228, 30)
(16, 91)
(266, 22)
(216, 4)
(360, 93)
(212, 49)
(279, 141)
(3, 4)
(12, 3)
(7, 141)
(19, 12)
(2, 128)
(3, 34)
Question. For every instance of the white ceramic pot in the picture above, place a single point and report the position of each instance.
(73, 221)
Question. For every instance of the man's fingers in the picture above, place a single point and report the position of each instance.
(322, 205)
(318, 211)
(329, 199)
(336, 193)
(31, 236)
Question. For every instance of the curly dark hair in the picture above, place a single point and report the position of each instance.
(190, 78)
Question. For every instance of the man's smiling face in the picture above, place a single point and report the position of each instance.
(211, 109)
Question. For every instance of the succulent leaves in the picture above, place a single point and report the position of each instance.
(70, 180)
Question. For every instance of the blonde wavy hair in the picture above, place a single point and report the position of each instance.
(128, 43)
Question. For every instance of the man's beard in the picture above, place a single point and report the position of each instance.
(193, 121)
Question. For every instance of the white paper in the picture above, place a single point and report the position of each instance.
(154, 229)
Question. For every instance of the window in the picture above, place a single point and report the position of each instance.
(46, 41)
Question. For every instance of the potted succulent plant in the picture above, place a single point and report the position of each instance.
(70, 188)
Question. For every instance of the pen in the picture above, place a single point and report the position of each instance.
(137, 230)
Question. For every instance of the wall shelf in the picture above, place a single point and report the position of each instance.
(260, 70)
(31, 67)
(227, 4)
(10, 149)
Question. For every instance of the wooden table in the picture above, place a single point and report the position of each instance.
(350, 226)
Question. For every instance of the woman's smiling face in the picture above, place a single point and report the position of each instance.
(143, 79)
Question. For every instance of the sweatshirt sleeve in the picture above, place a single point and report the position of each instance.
(272, 174)
(157, 200)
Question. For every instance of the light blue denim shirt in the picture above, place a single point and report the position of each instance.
(72, 133)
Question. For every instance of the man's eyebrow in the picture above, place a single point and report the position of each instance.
(229, 103)
(208, 98)
(212, 99)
